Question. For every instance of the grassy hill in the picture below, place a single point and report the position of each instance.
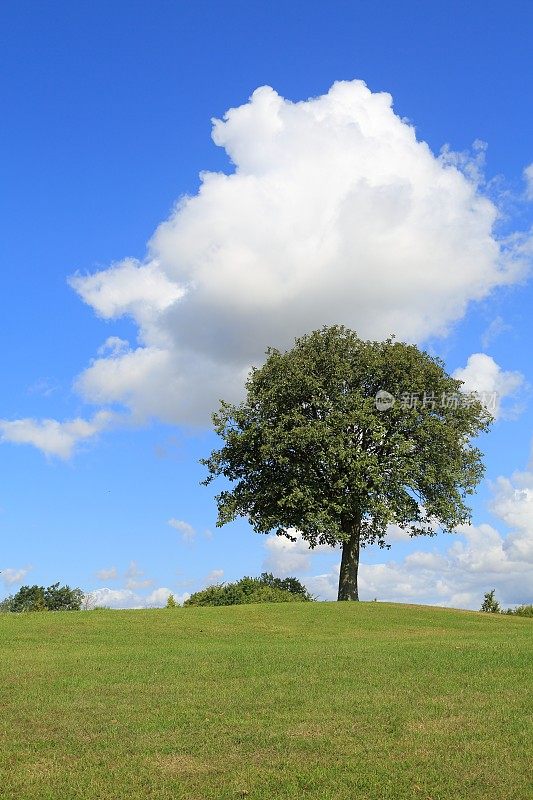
(330, 701)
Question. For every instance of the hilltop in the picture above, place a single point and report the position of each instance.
(333, 701)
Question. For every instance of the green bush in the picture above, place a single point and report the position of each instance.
(521, 611)
(265, 589)
(6, 603)
(490, 605)
(292, 585)
(39, 598)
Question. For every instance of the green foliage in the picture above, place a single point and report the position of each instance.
(521, 611)
(28, 598)
(265, 589)
(6, 603)
(62, 598)
(39, 598)
(171, 602)
(490, 605)
(308, 449)
(288, 584)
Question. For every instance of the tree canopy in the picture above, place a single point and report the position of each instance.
(339, 438)
(39, 598)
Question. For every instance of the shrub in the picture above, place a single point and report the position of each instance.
(292, 585)
(62, 598)
(39, 598)
(265, 589)
(490, 605)
(521, 611)
(6, 603)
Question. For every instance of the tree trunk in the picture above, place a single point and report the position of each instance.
(350, 563)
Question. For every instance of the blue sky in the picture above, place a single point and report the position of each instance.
(107, 112)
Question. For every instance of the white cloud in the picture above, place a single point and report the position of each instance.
(45, 387)
(335, 213)
(284, 557)
(11, 576)
(158, 598)
(513, 503)
(115, 598)
(528, 177)
(479, 560)
(135, 577)
(483, 375)
(187, 531)
(456, 572)
(52, 437)
(215, 576)
(107, 574)
(493, 330)
(114, 346)
(126, 598)
(127, 287)
(397, 534)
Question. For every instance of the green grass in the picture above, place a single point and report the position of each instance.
(330, 701)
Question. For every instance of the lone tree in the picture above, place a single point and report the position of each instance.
(340, 438)
(490, 605)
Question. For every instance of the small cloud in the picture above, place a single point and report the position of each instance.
(215, 576)
(127, 598)
(528, 177)
(139, 584)
(143, 288)
(116, 598)
(470, 162)
(52, 437)
(114, 346)
(11, 576)
(43, 387)
(483, 376)
(107, 574)
(495, 329)
(158, 598)
(285, 557)
(133, 570)
(397, 534)
(135, 579)
(187, 531)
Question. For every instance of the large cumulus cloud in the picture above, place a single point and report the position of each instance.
(334, 213)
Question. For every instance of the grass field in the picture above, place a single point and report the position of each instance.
(320, 700)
